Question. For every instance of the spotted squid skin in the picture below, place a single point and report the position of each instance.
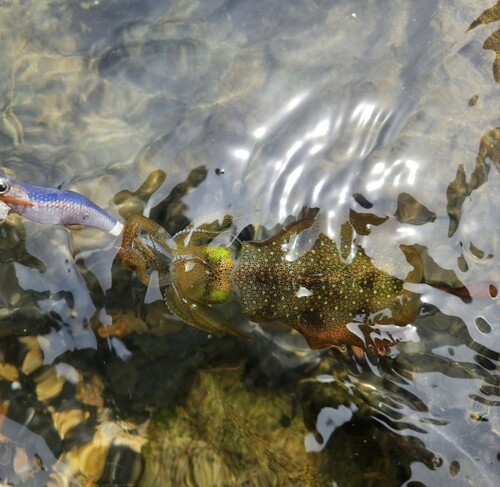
(319, 293)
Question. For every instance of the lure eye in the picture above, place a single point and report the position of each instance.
(4, 186)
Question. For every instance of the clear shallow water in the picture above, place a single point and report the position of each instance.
(300, 104)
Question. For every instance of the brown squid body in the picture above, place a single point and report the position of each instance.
(297, 277)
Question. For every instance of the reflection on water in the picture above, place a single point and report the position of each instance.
(257, 109)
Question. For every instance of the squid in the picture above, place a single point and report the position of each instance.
(297, 277)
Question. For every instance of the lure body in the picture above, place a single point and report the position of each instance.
(56, 206)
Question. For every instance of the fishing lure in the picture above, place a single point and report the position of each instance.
(56, 206)
(298, 277)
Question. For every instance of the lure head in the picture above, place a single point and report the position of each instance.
(13, 194)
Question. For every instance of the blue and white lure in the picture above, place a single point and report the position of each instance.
(56, 206)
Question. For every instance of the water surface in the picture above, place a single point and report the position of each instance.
(180, 109)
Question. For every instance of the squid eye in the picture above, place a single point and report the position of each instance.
(4, 186)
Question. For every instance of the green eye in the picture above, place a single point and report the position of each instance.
(218, 253)
(218, 296)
